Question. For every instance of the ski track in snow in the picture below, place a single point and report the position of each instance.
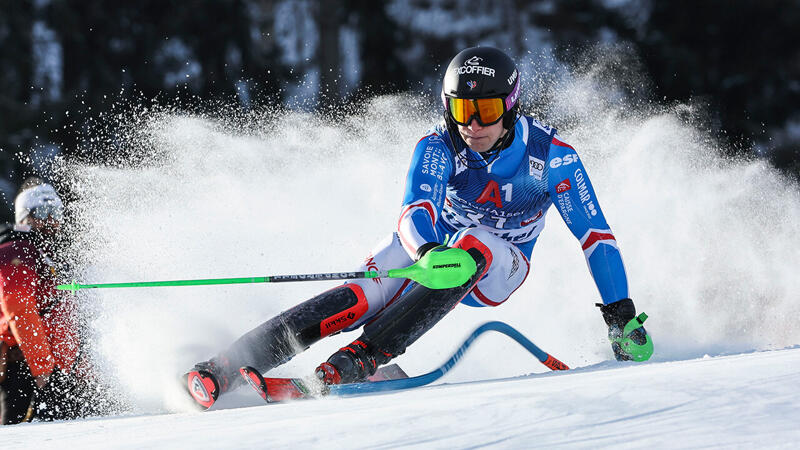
(738, 401)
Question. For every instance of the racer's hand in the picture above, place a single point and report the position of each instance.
(629, 339)
(425, 248)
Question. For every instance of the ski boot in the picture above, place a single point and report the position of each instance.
(352, 363)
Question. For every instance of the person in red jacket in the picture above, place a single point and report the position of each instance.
(39, 338)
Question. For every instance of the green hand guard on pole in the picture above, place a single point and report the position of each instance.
(638, 352)
(436, 270)
(440, 269)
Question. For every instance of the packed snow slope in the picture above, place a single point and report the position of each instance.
(738, 401)
(710, 245)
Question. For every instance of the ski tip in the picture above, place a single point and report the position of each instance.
(255, 380)
(202, 387)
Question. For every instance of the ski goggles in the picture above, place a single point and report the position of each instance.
(487, 111)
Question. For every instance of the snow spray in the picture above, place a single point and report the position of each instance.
(710, 243)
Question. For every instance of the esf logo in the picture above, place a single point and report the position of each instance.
(565, 161)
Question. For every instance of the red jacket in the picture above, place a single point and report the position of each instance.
(34, 315)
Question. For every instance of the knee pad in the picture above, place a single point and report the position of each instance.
(507, 267)
(475, 238)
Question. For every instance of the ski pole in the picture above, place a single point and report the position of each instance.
(440, 268)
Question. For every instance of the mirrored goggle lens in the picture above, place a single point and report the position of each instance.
(486, 110)
(48, 210)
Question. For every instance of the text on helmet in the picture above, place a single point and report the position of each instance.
(480, 70)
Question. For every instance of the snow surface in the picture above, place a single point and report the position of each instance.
(710, 247)
(738, 401)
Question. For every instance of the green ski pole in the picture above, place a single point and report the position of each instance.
(438, 269)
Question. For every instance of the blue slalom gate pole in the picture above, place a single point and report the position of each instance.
(427, 378)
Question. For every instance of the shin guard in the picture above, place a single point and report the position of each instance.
(414, 313)
(279, 339)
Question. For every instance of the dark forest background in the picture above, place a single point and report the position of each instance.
(65, 63)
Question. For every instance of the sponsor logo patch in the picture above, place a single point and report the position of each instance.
(514, 264)
(339, 320)
(535, 167)
(512, 77)
(472, 84)
(583, 192)
(565, 161)
(565, 207)
(474, 61)
(532, 219)
(434, 161)
(472, 65)
(425, 187)
(372, 267)
(564, 186)
(253, 382)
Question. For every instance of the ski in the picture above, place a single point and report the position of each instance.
(274, 390)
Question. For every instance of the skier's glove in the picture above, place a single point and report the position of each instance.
(629, 339)
(425, 248)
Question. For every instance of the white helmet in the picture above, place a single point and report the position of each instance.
(41, 201)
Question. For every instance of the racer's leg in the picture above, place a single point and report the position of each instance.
(279, 339)
(405, 320)
(509, 269)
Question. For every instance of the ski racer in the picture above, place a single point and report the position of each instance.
(481, 181)
(39, 341)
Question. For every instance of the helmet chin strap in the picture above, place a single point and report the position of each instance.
(504, 141)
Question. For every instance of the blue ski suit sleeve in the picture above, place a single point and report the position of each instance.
(426, 184)
(576, 202)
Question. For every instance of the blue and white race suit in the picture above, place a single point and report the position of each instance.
(504, 206)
